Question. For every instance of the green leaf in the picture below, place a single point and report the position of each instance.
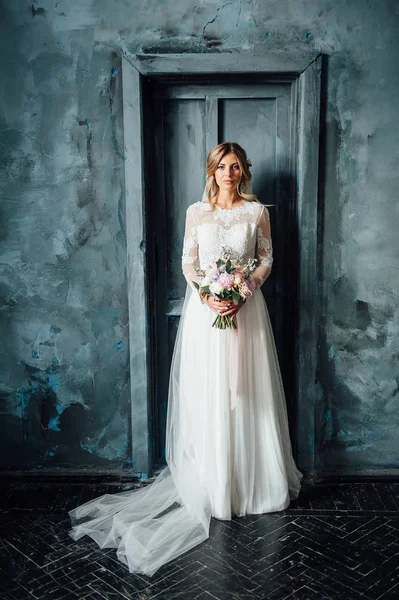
(196, 285)
(236, 297)
(230, 268)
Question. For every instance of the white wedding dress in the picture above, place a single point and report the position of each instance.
(228, 448)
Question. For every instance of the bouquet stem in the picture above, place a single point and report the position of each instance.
(224, 322)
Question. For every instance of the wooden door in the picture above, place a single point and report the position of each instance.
(183, 121)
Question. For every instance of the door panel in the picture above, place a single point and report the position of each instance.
(187, 121)
(184, 159)
(252, 123)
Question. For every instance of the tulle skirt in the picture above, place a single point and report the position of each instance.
(228, 448)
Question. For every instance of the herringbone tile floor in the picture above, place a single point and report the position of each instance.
(336, 541)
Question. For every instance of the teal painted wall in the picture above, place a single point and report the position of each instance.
(64, 358)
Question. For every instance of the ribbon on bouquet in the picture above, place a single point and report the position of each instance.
(234, 366)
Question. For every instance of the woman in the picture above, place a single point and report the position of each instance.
(227, 441)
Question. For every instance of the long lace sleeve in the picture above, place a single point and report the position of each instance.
(264, 249)
(190, 250)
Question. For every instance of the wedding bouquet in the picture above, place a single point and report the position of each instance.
(227, 279)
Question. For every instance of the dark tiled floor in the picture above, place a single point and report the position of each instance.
(337, 541)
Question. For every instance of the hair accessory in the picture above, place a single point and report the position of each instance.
(249, 162)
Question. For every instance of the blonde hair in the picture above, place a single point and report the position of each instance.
(212, 163)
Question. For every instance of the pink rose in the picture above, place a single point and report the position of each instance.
(226, 280)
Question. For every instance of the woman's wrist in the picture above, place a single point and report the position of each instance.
(203, 297)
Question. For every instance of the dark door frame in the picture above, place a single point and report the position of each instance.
(304, 70)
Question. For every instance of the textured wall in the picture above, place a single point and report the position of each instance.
(64, 360)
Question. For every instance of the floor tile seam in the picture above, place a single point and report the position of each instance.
(57, 588)
(284, 543)
(233, 566)
(63, 556)
(157, 594)
(254, 592)
(130, 591)
(226, 574)
(291, 525)
(44, 510)
(349, 575)
(228, 564)
(324, 585)
(312, 534)
(387, 591)
(341, 564)
(239, 553)
(328, 580)
(125, 595)
(197, 555)
(294, 592)
(283, 546)
(263, 537)
(154, 580)
(28, 546)
(263, 517)
(339, 538)
(341, 511)
(97, 575)
(77, 558)
(339, 533)
(202, 591)
(210, 595)
(275, 577)
(356, 567)
(374, 584)
(330, 524)
(51, 575)
(375, 487)
(234, 538)
(363, 541)
(282, 559)
(313, 588)
(285, 590)
(44, 552)
(138, 575)
(21, 587)
(98, 592)
(362, 525)
(270, 557)
(234, 529)
(373, 597)
(22, 554)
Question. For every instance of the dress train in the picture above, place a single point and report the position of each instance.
(228, 448)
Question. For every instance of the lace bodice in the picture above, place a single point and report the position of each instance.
(243, 229)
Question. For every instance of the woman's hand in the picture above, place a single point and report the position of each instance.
(235, 307)
(223, 307)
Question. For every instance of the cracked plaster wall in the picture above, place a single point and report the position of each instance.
(64, 360)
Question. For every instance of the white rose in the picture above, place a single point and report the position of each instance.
(205, 281)
(216, 288)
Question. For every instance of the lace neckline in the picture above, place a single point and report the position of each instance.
(228, 214)
(232, 208)
(205, 206)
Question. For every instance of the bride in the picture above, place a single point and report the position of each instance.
(228, 449)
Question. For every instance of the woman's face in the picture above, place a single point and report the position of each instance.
(228, 172)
